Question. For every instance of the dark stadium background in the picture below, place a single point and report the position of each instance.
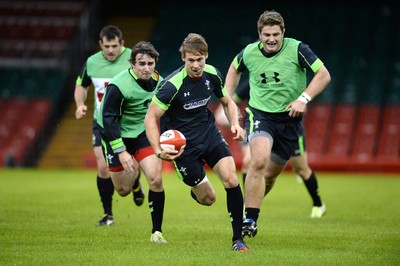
(354, 125)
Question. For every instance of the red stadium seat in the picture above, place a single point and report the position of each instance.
(12, 111)
(389, 137)
(366, 133)
(342, 131)
(316, 122)
(42, 8)
(26, 121)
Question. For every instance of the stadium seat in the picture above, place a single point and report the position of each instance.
(341, 133)
(316, 122)
(14, 150)
(389, 137)
(21, 128)
(39, 113)
(13, 111)
(42, 8)
(366, 133)
(5, 133)
(39, 28)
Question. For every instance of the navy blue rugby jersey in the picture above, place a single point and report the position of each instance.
(185, 101)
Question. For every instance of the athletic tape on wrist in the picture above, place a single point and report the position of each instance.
(304, 98)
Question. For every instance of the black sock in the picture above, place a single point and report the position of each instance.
(252, 213)
(136, 184)
(234, 202)
(313, 190)
(244, 180)
(106, 191)
(156, 205)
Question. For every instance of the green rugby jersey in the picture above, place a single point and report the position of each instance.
(125, 105)
(274, 81)
(99, 71)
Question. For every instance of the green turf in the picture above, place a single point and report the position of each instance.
(47, 217)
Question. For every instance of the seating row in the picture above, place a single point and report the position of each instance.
(33, 48)
(348, 137)
(31, 83)
(21, 126)
(37, 28)
(42, 8)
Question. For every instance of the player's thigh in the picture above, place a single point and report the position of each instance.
(260, 150)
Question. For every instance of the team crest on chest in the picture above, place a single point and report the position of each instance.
(207, 83)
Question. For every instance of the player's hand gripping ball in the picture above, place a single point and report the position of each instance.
(173, 140)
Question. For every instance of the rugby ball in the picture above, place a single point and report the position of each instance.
(172, 140)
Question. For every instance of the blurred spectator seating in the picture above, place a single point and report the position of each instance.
(36, 38)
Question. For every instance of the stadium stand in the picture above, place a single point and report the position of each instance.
(389, 138)
(37, 37)
(78, 133)
(354, 125)
(366, 133)
(317, 127)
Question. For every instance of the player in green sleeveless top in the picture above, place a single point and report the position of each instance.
(279, 94)
(125, 145)
(98, 70)
(298, 160)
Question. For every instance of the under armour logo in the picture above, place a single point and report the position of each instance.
(264, 77)
(186, 94)
(256, 123)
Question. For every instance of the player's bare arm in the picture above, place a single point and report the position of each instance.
(319, 82)
(127, 162)
(233, 117)
(153, 115)
(232, 79)
(80, 98)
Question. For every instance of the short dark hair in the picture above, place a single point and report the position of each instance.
(143, 47)
(270, 18)
(111, 32)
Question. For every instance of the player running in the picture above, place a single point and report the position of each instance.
(98, 70)
(182, 99)
(121, 117)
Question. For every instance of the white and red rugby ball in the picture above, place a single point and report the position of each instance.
(172, 139)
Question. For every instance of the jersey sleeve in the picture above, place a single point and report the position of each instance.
(83, 78)
(238, 62)
(166, 92)
(111, 112)
(219, 81)
(308, 59)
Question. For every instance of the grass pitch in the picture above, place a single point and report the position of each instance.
(48, 217)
